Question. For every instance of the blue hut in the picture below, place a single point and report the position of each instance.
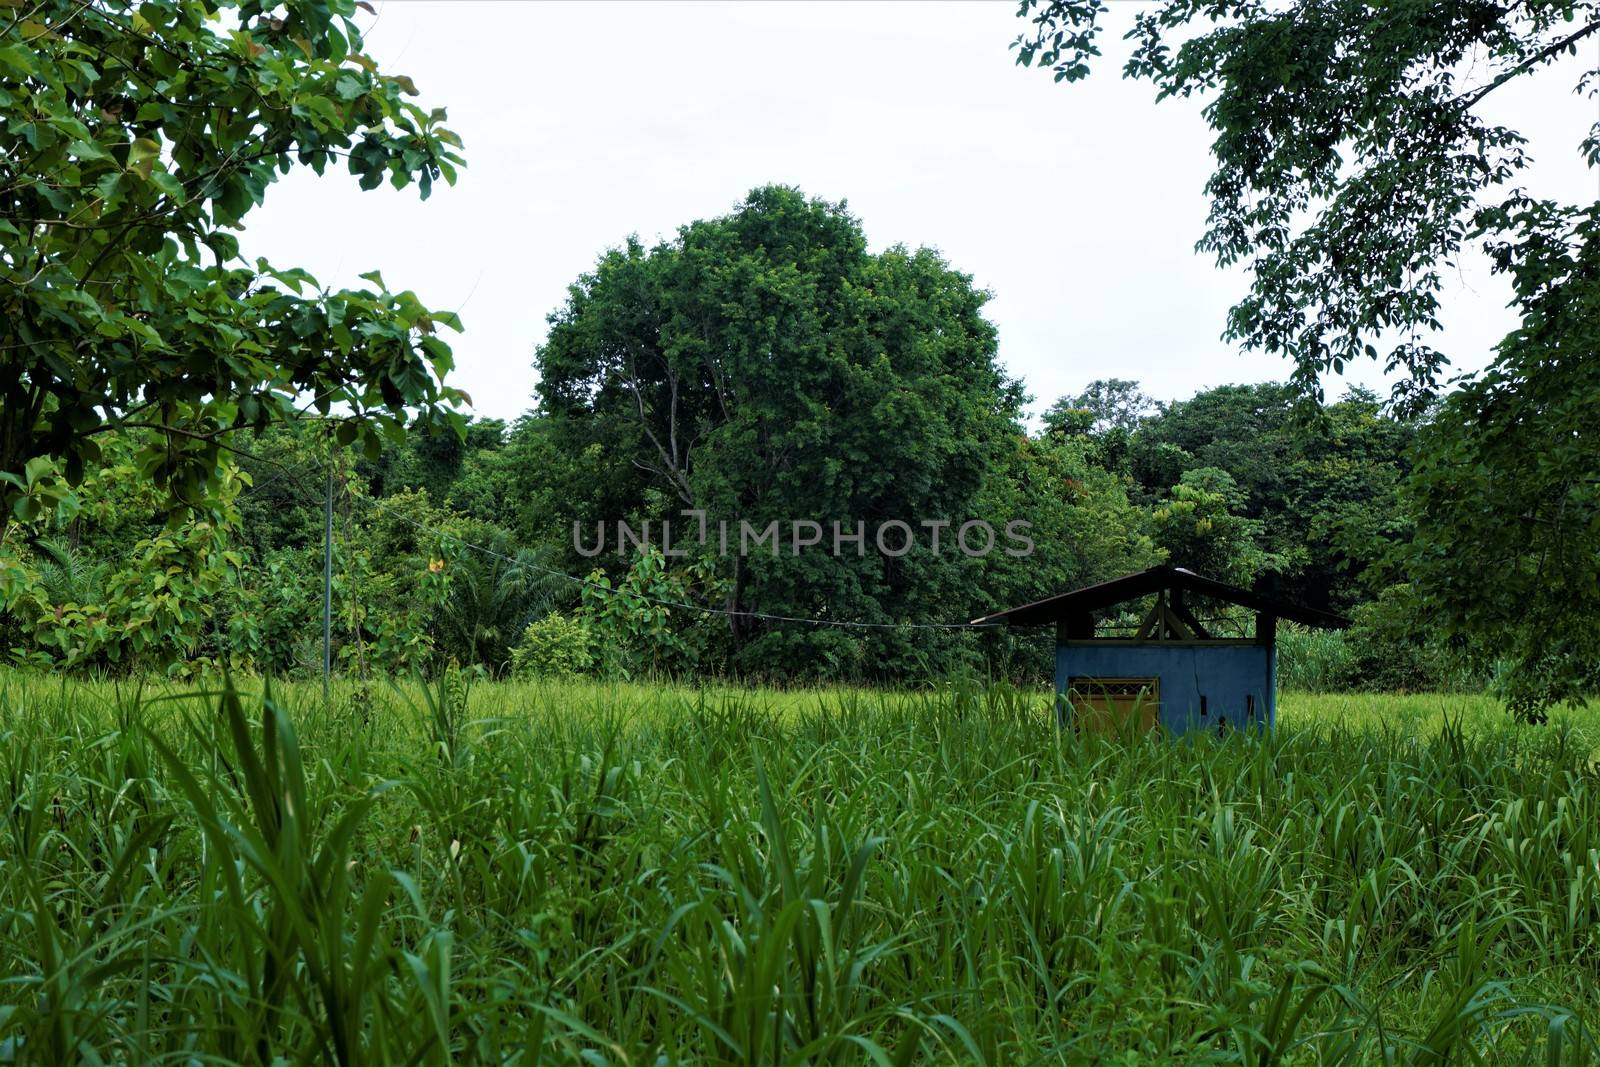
(1171, 670)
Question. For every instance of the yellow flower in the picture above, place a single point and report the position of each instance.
(435, 566)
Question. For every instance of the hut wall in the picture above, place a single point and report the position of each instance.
(1228, 676)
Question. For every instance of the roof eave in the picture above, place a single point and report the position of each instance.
(1102, 595)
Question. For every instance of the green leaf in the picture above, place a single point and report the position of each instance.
(88, 150)
(170, 186)
(142, 154)
(349, 87)
(18, 61)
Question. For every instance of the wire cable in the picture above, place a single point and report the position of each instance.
(702, 608)
(659, 601)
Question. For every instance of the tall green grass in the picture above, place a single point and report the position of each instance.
(1315, 661)
(1365, 658)
(628, 875)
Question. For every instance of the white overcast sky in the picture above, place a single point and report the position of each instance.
(1077, 206)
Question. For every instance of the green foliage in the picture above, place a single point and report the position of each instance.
(74, 600)
(1390, 647)
(1351, 164)
(1314, 661)
(410, 594)
(271, 612)
(1323, 487)
(1394, 648)
(1083, 528)
(554, 646)
(1353, 168)
(38, 489)
(560, 873)
(491, 594)
(1108, 412)
(446, 464)
(1198, 528)
(764, 366)
(68, 573)
(1107, 406)
(393, 579)
(288, 467)
(1509, 483)
(636, 627)
(133, 139)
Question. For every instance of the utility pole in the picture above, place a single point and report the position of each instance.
(327, 586)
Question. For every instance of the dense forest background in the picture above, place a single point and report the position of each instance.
(760, 366)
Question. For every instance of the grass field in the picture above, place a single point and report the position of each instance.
(636, 875)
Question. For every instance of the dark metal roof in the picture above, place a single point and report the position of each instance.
(1132, 586)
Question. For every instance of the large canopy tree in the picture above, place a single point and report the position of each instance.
(1353, 168)
(765, 366)
(134, 140)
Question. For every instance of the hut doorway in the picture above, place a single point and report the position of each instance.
(1115, 706)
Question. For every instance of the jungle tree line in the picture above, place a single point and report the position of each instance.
(758, 366)
(766, 358)
(1355, 168)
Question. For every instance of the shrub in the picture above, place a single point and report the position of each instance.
(638, 626)
(554, 645)
(1395, 648)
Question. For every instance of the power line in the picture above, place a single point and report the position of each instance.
(662, 602)
(589, 583)
(704, 609)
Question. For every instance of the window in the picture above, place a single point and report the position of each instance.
(1115, 705)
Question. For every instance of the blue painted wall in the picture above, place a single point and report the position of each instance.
(1224, 674)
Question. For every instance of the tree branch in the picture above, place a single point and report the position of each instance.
(1467, 102)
